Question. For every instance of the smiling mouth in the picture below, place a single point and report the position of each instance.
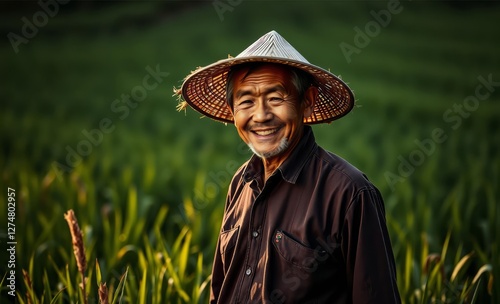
(265, 132)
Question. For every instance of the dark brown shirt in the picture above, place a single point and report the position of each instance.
(315, 232)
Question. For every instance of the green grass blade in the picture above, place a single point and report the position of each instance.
(98, 276)
(118, 293)
(184, 255)
(461, 265)
(57, 295)
(143, 287)
(46, 286)
(408, 268)
(484, 269)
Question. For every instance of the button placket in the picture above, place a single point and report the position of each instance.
(253, 254)
(257, 220)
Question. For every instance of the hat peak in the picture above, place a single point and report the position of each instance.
(274, 33)
(272, 44)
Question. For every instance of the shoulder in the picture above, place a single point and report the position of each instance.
(348, 186)
(355, 185)
(338, 178)
(340, 169)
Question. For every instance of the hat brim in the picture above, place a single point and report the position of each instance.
(205, 90)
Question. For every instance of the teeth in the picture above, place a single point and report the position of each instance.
(266, 132)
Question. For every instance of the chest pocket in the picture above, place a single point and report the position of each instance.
(296, 253)
(228, 240)
(308, 274)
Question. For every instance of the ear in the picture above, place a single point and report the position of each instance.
(310, 96)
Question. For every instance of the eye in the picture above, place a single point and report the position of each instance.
(275, 99)
(245, 103)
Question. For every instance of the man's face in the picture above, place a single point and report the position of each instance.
(267, 111)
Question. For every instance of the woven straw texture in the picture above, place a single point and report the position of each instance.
(205, 89)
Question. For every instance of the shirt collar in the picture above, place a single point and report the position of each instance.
(292, 166)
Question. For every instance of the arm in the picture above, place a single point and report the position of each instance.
(217, 275)
(366, 247)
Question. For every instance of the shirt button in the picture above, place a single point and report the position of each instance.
(255, 234)
(248, 272)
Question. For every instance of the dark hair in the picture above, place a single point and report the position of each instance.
(301, 80)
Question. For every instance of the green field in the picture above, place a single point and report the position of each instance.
(148, 184)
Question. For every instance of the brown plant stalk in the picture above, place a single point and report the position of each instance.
(78, 248)
(103, 293)
(29, 285)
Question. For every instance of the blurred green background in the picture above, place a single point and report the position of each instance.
(143, 178)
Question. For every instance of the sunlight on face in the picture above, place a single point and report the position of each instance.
(267, 112)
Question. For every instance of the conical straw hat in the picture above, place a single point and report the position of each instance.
(205, 88)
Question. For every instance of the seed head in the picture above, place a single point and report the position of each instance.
(77, 238)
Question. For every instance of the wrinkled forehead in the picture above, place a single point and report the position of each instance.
(266, 71)
(262, 74)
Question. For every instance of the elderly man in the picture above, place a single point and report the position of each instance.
(300, 225)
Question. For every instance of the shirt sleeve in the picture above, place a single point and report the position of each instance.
(218, 266)
(370, 266)
(217, 275)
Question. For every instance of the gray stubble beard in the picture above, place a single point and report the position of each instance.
(280, 149)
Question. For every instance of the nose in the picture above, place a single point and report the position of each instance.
(262, 112)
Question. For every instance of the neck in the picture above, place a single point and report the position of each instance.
(269, 167)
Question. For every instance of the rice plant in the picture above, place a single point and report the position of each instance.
(149, 197)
